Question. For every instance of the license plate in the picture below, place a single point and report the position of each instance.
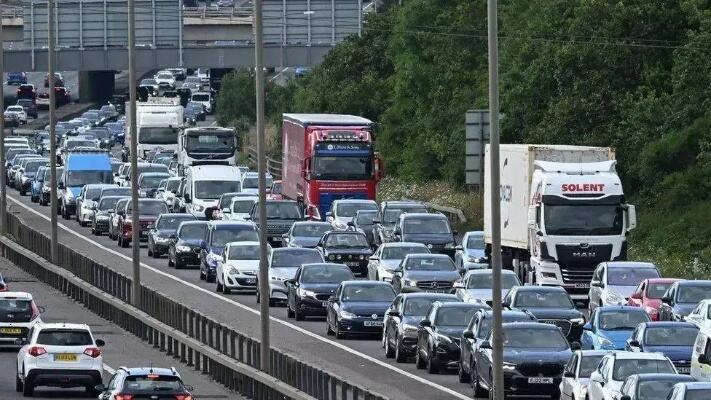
(251, 280)
(540, 380)
(582, 285)
(11, 331)
(435, 291)
(65, 357)
(372, 323)
(684, 370)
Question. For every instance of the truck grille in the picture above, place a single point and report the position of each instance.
(540, 369)
(560, 323)
(577, 263)
(277, 229)
(434, 285)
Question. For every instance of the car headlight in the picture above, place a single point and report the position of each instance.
(362, 257)
(429, 245)
(347, 315)
(233, 271)
(407, 328)
(507, 366)
(606, 343)
(45, 189)
(577, 321)
(199, 208)
(449, 245)
(410, 283)
(614, 298)
(162, 240)
(331, 257)
(102, 217)
(182, 249)
(24, 179)
(307, 293)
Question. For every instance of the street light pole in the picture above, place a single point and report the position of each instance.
(3, 173)
(52, 133)
(261, 168)
(135, 227)
(497, 348)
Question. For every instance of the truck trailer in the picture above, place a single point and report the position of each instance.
(563, 211)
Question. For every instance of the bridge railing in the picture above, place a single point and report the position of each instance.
(216, 12)
(274, 167)
(11, 11)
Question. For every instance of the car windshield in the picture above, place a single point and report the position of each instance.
(368, 293)
(147, 82)
(426, 225)
(671, 336)
(366, 218)
(621, 320)
(430, 264)
(346, 240)
(580, 220)
(534, 338)
(81, 178)
(485, 323)
(243, 206)
(93, 193)
(349, 210)
(172, 222)
(115, 166)
(220, 237)
(148, 208)
(276, 188)
(418, 306)
(626, 367)
(293, 258)
(243, 252)
(630, 276)
(253, 183)
(543, 299)
(158, 135)
(657, 290)
(654, 390)
(73, 144)
(392, 214)
(342, 167)
(101, 133)
(150, 168)
(280, 210)
(455, 316)
(476, 243)
(214, 189)
(151, 181)
(485, 281)
(207, 142)
(193, 231)
(15, 310)
(310, 230)
(33, 166)
(326, 274)
(193, 79)
(64, 337)
(108, 203)
(588, 365)
(165, 76)
(698, 394)
(116, 191)
(399, 252)
(172, 185)
(201, 97)
(693, 294)
(152, 383)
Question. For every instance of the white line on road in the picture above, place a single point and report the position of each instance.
(109, 369)
(246, 308)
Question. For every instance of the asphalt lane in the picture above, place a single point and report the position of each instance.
(122, 348)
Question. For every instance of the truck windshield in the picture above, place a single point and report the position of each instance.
(583, 219)
(81, 178)
(158, 135)
(214, 189)
(253, 183)
(205, 142)
(342, 168)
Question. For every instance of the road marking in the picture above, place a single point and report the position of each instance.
(109, 369)
(246, 308)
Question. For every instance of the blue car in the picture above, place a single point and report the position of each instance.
(611, 326)
(358, 307)
(16, 78)
(673, 339)
(217, 236)
(37, 182)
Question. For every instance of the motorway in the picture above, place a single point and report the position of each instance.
(360, 360)
(122, 348)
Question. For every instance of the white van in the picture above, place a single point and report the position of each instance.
(205, 183)
(701, 356)
(204, 98)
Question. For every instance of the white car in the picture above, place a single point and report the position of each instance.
(240, 207)
(475, 287)
(239, 267)
(343, 211)
(16, 112)
(18, 313)
(168, 189)
(388, 256)
(701, 316)
(59, 355)
(165, 79)
(576, 375)
(606, 381)
(204, 98)
(614, 282)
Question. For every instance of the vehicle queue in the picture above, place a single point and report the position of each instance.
(392, 270)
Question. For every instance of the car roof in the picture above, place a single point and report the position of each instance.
(628, 264)
(662, 280)
(537, 288)
(694, 283)
(225, 224)
(294, 249)
(363, 282)
(150, 370)
(177, 215)
(354, 201)
(62, 325)
(456, 304)
(602, 309)
(311, 223)
(196, 222)
(402, 244)
(16, 295)
(662, 324)
(425, 295)
(151, 174)
(529, 325)
(419, 215)
(486, 271)
(629, 355)
(697, 385)
(245, 243)
(427, 255)
(321, 264)
(655, 377)
(592, 353)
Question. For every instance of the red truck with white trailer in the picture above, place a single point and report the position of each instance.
(328, 157)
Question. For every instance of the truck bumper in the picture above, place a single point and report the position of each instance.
(548, 273)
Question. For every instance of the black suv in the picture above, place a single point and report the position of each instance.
(281, 214)
(432, 230)
(551, 305)
(145, 382)
(346, 247)
(384, 225)
(312, 286)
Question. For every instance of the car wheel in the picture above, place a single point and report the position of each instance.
(28, 389)
(225, 289)
(18, 383)
(289, 311)
(218, 287)
(329, 331)
(478, 390)
(177, 264)
(432, 366)
(170, 261)
(389, 351)
(419, 362)
(272, 302)
(22, 192)
(257, 296)
(298, 315)
(463, 375)
(150, 251)
(400, 357)
(339, 334)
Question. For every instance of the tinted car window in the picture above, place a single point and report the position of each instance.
(213, 189)
(455, 316)
(430, 264)
(368, 293)
(311, 230)
(154, 383)
(350, 209)
(698, 394)
(193, 231)
(244, 253)
(173, 222)
(285, 210)
(64, 337)
(149, 208)
(425, 225)
(625, 368)
(534, 338)
(417, 306)
(693, 294)
(325, 274)
(221, 237)
(485, 281)
(108, 203)
(242, 206)
(588, 365)
(295, 258)
(346, 240)
(613, 320)
(542, 300)
(630, 276)
(17, 310)
(671, 336)
(399, 252)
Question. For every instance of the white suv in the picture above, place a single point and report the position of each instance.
(606, 381)
(238, 268)
(18, 313)
(59, 355)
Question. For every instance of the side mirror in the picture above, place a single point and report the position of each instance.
(485, 345)
(374, 258)
(458, 285)
(596, 284)
(636, 296)
(394, 313)
(350, 223)
(425, 323)
(532, 211)
(329, 214)
(631, 217)
(587, 327)
(93, 207)
(575, 346)
(505, 304)
(376, 222)
(634, 343)
(666, 300)
(186, 197)
(703, 359)
(60, 185)
(597, 378)
(625, 397)
(290, 281)
(99, 388)
(568, 374)
(459, 248)
(333, 299)
(203, 245)
(468, 335)
(121, 212)
(284, 235)
(226, 210)
(173, 236)
(100, 343)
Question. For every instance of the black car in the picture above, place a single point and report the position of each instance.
(283, 264)
(312, 286)
(477, 331)
(402, 320)
(432, 230)
(682, 297)
(439, 334)
(306, 233)
(363, 222)
(29, 106)
(550, 304)
(346, 247)
(425, 273)
(185, 249)
(103, 211)
(388, 216)
(198, 109)
(358, 307)
(281, 214)
(164, 232)
(534, 358)
(145, 383)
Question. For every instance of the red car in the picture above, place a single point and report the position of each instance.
(26, 92)
(274, 193)
(648, 295)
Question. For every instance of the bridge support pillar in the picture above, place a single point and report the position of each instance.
(96, 86)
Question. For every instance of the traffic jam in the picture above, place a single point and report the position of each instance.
(580, 322)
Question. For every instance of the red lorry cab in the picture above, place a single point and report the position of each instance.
(328, 157)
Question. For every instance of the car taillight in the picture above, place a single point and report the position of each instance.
(3, 287)
(92, 352)
(183, 397)
(122, 396)
(35, 312)
(36, 351)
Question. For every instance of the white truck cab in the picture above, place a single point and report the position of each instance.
(205, 183)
